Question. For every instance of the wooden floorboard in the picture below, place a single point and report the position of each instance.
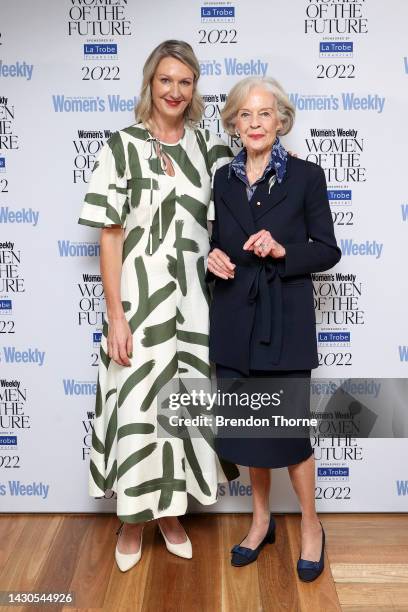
(30, 553)
(363, 536)
(240, 585)
(94, 565)
(276, 574)
(369, 560)
(372, 597)
(11, 528)
(322, 595)
(366, 565)
(396, 573)
(186, 583)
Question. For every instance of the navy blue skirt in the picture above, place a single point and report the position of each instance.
(267, 452)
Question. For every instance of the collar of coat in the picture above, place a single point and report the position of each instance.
(277, 162)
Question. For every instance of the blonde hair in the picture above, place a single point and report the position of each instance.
(237, 95)
(183, 52)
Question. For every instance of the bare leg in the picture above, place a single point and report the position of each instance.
(302, 476)
(261, 483)
(129, 538)
(173, 529)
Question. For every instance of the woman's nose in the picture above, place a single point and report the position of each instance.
(175, 91)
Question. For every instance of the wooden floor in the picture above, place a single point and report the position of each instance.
(366, 565)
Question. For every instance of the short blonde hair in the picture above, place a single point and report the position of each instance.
(237, 95)
(183, 52)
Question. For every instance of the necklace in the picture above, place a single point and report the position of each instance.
(155, 132)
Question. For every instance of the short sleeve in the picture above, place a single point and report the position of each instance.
(106, 202)
(219, 154)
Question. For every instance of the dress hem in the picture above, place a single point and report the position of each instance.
(271, 467)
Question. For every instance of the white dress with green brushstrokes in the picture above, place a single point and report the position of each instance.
(165, 300)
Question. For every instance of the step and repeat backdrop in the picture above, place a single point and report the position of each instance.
(70, 73)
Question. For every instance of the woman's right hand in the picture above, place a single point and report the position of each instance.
(220, 264)
(120, 341)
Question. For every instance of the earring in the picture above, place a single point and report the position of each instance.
(237, 134)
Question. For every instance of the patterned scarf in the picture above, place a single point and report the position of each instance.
(277, 163)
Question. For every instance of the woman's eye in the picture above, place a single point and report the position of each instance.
(187, 83)
(163, 80)
(244, 115)
(265, 114)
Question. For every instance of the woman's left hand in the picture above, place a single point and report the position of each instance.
(262, 244)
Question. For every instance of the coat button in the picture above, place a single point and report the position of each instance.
(258, 203)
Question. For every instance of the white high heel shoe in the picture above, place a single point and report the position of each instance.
(126, 561)
(184, 549)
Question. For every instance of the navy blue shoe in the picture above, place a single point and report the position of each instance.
(310, 570)
(243, 556)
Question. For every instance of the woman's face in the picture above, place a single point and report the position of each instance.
(172, 88)
(257, 120)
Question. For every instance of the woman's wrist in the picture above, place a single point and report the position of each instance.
(116, 314)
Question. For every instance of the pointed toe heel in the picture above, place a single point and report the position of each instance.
(310, 570)
(125, 561)
(183, 549)
(243, 556)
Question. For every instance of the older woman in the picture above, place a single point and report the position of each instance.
(272, 229)
(150, 193)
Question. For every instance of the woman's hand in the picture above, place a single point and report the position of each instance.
(119, 335)
(262, 244)
(120, 341)
(220, 264)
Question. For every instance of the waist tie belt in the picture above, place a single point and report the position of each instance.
(266, 282)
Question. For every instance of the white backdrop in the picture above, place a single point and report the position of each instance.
(70, 72)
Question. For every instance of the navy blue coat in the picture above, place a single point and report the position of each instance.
(268, 307)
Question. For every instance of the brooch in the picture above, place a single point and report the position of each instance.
(271, 182)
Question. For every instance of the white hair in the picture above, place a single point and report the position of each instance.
(240, 91)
